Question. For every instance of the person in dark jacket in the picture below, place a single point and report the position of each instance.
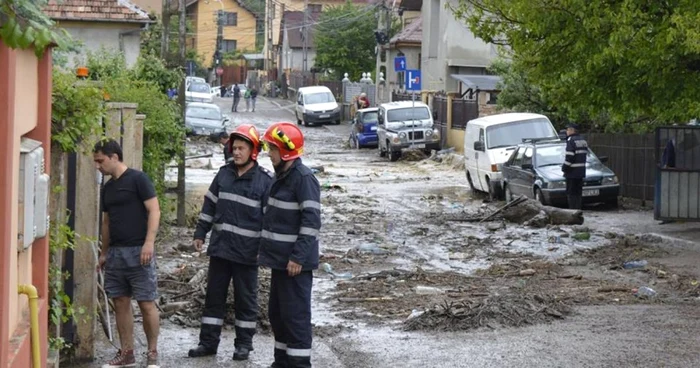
(253, 97)
(233, 208)
(236, 98)
(225, 140)
(289, 245)
(574, 166)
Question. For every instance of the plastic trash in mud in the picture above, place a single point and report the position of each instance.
(415, 314)
(582, 236)
(370, 248)
(645, 292)
(427, 290)
(317, 169)
(329, 269)
(328, 186)
(555, 239)
(635, 264)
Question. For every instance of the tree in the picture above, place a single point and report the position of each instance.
(23, 24)
(344, 40)
(630, 61)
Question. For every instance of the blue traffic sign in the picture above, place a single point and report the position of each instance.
(400, 63)
(413, 80)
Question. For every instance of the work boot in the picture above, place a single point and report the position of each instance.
(122, 359)
(241, 353)
(201, 351)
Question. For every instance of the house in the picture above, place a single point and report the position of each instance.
(97, 24)
(239, 28)
(25, 123)
(291, 56)
(449, 47)
(406, 43)
(274, 15)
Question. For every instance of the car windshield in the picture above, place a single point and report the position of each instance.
(511, 134)
(200, 88)
(317, 98)
(554, 155)
(408, 114)
(369, 116)
(203, 113)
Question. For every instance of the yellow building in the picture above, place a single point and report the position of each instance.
(239, 27)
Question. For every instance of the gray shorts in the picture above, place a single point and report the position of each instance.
(125, 276)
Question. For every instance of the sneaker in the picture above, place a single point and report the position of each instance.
(152, 359)
(121, 360)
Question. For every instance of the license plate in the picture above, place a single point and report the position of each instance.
(591, 192)
(325, 116)
(374, 128)
(419, 146)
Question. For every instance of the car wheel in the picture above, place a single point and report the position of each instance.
(471, 183)
(394, 156)
(509, 194)
(306, 123)
(491, 192)
(539, 197)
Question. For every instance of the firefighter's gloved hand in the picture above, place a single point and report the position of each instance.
(198, 244)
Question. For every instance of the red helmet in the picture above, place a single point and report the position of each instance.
(250, 134)
(287, 138)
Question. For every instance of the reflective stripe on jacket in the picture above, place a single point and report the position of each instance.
(292, 220)
(232, 210)
(574, 166)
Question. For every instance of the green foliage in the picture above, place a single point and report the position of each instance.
(23, 24)
(145, 85)
(636, 63)
(77, 110)
(345, 42)
(61, 308)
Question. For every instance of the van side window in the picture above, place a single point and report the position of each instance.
(481, 135)
(527, 157)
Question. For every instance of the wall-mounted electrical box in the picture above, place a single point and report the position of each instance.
(33, 193)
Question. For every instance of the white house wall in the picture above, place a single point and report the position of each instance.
(452, 50)
(93, 39)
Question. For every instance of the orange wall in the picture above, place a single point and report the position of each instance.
(206, 28)
(25, 110)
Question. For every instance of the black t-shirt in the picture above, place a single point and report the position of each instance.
(123, 200)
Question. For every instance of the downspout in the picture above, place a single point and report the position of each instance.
(33, 295)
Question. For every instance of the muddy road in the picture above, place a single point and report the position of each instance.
(409, 279)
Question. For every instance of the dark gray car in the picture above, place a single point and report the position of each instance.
(534, 170)
(204, 119)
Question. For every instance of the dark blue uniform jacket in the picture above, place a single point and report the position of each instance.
(574, 166)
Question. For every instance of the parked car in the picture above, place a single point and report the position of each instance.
(534, 170)
(190, 80)
(198, 92)
(405, 124)
(363, 132)
(316, 105)
(489, 142)
(204, 119)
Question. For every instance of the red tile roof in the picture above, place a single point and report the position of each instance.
(96, 11)
(413, 33)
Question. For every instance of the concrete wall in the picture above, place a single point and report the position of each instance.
(206, 28)
(449, 47)
(112, 36)
(25, 110)
(294, 59)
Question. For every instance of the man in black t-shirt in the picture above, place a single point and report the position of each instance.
(130, 218)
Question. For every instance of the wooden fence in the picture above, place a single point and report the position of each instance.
(462, 112)
(632, 158)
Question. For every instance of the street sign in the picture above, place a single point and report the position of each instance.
(413, 80)
(219, 71)
(399, 63)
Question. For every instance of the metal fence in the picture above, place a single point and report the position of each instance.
(462, 112)
(631, 157)
(440, 117)
(402, 96)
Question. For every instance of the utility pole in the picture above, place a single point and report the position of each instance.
(305, 34)
(384, 20)
(181, 190)
(219, 41)
(164, 49)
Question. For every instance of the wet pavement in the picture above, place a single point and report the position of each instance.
(403, 209)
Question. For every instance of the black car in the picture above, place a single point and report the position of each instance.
(534, 170)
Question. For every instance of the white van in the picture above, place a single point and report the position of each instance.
(316, 105)
(489, 141)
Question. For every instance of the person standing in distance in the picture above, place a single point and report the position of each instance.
(289, 245)
(233, 208)
(574, 166)
(236, 98)
(130, 218)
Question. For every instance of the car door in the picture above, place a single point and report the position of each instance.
(526, 174)
(483, 164)
(381, 129)
(514, 180)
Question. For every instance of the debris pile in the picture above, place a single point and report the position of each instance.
(413, 155)
(493, 312)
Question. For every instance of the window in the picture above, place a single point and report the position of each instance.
(512, 133)
(518, 157)
(527, 158)
(408, 114)
(315, 8)
(230, 19)
(228, 45)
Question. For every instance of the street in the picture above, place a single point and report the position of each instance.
(401, 242)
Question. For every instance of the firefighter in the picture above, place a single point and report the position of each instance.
(289, 245)
(574, 166)
(233, 210)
